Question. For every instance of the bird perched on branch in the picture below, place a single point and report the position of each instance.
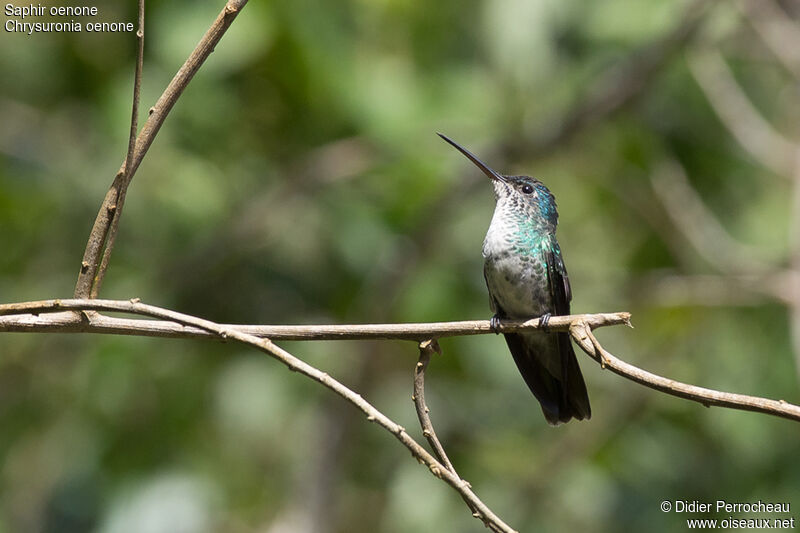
(526, 277)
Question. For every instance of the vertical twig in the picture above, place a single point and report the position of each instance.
(137, 87)
(426, 349)
(110, 208)
(127, 174)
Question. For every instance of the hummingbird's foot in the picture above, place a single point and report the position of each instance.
(544, 320)
(494, 323)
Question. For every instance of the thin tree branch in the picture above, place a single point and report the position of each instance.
(137, 87)
(120, 201)
(111, 206)
(23, 317)
(481, 511)
(426, 349)
(738, 114)
(582, 334)
(579, 326)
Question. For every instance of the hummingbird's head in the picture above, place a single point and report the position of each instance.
(522, 194)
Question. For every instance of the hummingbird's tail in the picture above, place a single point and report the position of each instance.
(547, 363)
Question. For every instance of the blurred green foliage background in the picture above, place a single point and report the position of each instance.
(299, 180)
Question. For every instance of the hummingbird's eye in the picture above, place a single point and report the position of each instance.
(527, 189)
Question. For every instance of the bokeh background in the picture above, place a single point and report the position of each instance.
(299, 180)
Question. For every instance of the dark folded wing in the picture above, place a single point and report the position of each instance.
(560, 290)
(575, 400)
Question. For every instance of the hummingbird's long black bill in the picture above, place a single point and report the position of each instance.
(478, 163)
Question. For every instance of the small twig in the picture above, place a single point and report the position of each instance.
(137, 87)
(582, 334)
(110, 208)
(122, 191)
(426, 349)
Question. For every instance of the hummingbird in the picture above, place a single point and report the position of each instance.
(526, 277)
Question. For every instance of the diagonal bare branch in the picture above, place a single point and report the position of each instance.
(426, 350)
(137, 87)
(112, 203)
(582, 334)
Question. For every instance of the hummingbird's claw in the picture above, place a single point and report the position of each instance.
(494, 323)
(544, 320)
